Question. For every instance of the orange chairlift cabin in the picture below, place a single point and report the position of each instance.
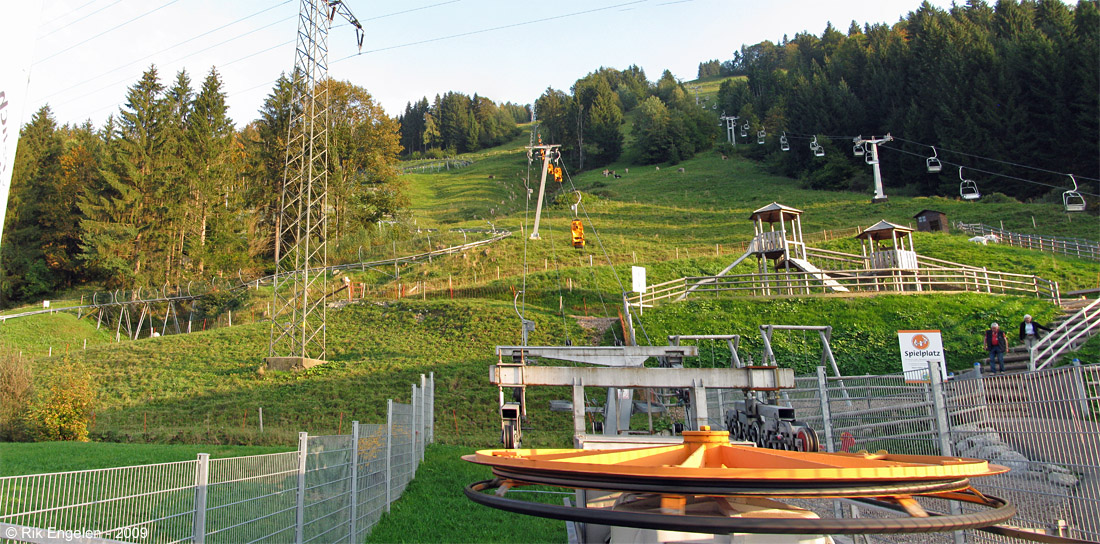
(577, 227)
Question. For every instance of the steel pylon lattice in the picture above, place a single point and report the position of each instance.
(301, 249)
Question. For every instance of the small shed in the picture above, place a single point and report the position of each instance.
(932, 221)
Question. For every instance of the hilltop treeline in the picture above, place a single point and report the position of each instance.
(1016, 81)
(457, 123)
(587, 122)
(169, 190)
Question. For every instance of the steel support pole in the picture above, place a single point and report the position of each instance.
(198, 519)
(300, 509)
(826, 412)
(389, 452)
(354, 480)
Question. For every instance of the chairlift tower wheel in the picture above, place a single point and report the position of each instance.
(706, 467)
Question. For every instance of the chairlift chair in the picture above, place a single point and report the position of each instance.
(783, 143)
(868, 157)
(745, 130)
(818, 150)
(933, 163)
(760, 135)
(968, 189)
(1072, 200)
(857, 146)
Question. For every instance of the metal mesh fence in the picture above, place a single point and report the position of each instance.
(333, 489)
(252, 498)
(127, 503)
(403, 447)
(1042, 425)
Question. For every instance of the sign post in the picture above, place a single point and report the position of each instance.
(918, 348)
(637, 284)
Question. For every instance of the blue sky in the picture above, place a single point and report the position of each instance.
(87, 52)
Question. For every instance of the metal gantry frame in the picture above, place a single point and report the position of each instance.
(301, 249)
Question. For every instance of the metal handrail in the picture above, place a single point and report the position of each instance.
(1063, 338)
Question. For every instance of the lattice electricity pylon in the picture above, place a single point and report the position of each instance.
(301, 250)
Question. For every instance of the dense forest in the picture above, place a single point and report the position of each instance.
(170, 190)
(457, 123)
(1016, 81)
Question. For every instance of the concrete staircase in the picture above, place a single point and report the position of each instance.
(1017, 357)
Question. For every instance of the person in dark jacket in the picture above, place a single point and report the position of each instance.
(996, 344)
(1029, 332)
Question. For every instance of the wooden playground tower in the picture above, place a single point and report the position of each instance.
(889, 254)
(777, 237)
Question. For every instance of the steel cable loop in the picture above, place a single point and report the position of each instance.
(611, 265)
(1000, 510)
(717, 487)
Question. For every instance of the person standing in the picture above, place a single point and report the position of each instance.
(1029, 332)
(995, 344)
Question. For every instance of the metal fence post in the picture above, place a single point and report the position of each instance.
(198, 520)
(415, 434)
(826, 413)
(300, 510)
(423, 412)
(431, 409)
(354, 479)
(943, 429)
(389, 451)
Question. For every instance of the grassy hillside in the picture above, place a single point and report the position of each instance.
(206, 387)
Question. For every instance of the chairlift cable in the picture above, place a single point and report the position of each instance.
(557, 273)
(995, 160)
(955, 164)
(599, 241)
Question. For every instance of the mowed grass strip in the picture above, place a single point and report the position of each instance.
(435, 509)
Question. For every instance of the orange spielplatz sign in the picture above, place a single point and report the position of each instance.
(918, 348)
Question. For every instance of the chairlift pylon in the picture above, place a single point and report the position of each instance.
(784, 144)
(933, 163)
(1072, 200)
(968, 188)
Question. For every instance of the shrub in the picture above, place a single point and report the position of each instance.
(61, 410)
(16, 392)
(216, 303)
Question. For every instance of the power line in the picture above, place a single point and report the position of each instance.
(491, 29)
(117, 82)
(116, 27)
(67, 25)
(189, 55)
(411, 10)
(191, 39)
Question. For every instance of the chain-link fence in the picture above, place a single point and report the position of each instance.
(1042, 425)
(333, 489)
